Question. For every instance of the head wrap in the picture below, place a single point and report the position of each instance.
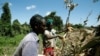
(49, 21)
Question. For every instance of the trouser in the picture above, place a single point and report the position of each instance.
(49, 51)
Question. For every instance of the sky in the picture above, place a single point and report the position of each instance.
(23, 10)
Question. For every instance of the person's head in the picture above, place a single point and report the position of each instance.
(49, 24)
(38, 24)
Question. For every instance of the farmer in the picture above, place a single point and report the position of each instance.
(29, 45)
(49, 41)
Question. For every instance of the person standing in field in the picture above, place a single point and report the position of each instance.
(49, 41)
(29, 44)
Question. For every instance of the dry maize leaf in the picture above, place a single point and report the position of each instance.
(95, 41)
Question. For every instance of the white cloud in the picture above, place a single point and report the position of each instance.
(10, 4)
(48, 13)
(30, 7)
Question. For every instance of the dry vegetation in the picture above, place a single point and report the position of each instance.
(73, 41)
(68, 46)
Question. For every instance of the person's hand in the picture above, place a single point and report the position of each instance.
(60, 37)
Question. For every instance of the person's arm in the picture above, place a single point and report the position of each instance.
(48, 36)
(30, 49)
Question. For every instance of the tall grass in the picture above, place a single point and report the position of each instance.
(9, 44)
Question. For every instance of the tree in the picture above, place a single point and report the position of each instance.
(6, 20)
(6, 15)
(70, 5)
(78, 26)
(25, 28)
(94, 1)
(57, 21)
(0, 26)
(16, 27)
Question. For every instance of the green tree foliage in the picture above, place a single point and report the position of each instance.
(94, 1)
(6, 20)
(78, 26)
(57, 20)
(0, 26)
(25, 28)
(16, 27)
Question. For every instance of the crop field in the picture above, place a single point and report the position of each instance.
(70, 47)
